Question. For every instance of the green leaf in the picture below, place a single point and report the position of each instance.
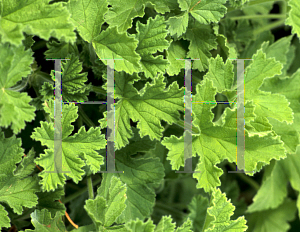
(266, 104)
(43, 222)
(73, 81)
(175, 51)
(49, 201)
(17, 188)
(147, 106)
(60, 50)
(111, 44)
(77, 149)
(221, 210)
(178, 24)
(289, 88)
(36, 17)
(141, 176)
(221, 74)
(121, 15)
(88, 17)
(205, 11)
(109, 203)
(151, 39)
(202, 40)
(216, 143)
(275, 220)
(294, 17)
(14, 106)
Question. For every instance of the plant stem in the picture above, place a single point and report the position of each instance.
(90, 187)
(256, 2)
(169, 209)
(266, 16)
(269, 27)
(245, 178)
(85, 118)
(252, 3)
(80, 192)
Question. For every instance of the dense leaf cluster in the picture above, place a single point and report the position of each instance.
(147, 38)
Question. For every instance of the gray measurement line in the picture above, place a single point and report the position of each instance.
(188, 165)
(57, 121)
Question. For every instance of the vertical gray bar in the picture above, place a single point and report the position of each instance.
(240, 115)
(110, 161)
(57, 119)
(188, 167)
(110, 116)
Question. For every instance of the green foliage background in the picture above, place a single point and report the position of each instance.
(149, 115)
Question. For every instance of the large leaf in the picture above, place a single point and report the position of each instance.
(77, 149)
(14, 106)
(36, 17)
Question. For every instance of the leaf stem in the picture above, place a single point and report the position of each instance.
(251, 3)
(90, 186)
(269, 27)
(169, 209)
(266, 16)
(85, 118)
(245, 178)
(80, 192)
(100, 90)
(194, 5)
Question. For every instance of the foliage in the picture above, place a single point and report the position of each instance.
(147, 39)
